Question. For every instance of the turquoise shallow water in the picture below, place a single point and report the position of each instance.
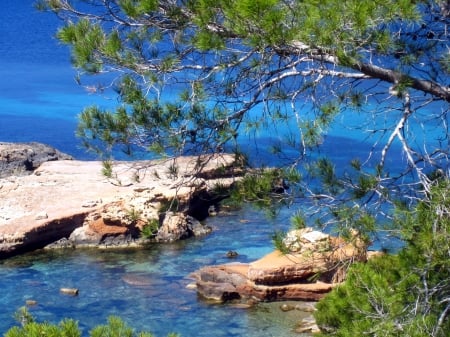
(147, 287)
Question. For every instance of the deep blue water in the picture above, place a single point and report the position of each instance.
(39, 99)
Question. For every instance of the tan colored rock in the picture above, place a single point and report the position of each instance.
(276, 268)
(316, 256)
(305, 275)
(229, 282)
(73, 193)
(291, 292)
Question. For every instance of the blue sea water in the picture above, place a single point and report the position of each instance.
(39, 99)
(147, 288)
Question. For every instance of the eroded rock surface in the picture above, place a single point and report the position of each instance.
(318, 264)
(24, 158)
(72, 203)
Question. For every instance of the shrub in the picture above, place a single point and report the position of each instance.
(115, 327)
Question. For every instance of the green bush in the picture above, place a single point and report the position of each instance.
(150, 228)
(115, 327)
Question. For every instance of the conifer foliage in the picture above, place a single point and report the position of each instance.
(199, 76)
(206, 76)
(407, 294)
(29, 327)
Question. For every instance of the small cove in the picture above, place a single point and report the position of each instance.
(147, 287)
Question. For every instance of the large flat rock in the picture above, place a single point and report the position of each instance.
(49, 204)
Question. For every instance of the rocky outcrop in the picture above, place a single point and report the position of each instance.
(318, 264)
(70, 203)
(24, 158)
(178, 226)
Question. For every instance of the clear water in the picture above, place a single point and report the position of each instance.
(147, 288)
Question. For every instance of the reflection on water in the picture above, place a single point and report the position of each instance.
(146, 287)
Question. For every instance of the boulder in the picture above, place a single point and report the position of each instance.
(24, 158)
(230, 282)
(178, 226)
(316, 266)
(220, 284)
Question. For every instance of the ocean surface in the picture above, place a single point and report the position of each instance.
(40, 101)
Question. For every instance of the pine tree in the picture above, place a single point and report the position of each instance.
(406, 294)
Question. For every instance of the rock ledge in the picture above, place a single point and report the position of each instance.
(319, 264)
(24, 158)
(71, 203)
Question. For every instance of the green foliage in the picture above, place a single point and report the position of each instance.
(266, 187)
(366, 184)
(445, 62)
(171, 205)
(133, 215)
(115, 327)
(227, 59)
(298, 220)
(404, 294)
(113, 45)
(87, 38)
(173, 170)
(107, 168)
(207, 41)
(150, 228)
(324, 169)
(30, 328)
(277, 240)
(220, 190)
(23, 316)
(136, 8)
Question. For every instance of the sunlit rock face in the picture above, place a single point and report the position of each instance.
(71, 203)
(317, 264)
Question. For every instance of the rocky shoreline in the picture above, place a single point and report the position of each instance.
(23, 158)
(64, 203)
(307, 273)
(69, 203)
